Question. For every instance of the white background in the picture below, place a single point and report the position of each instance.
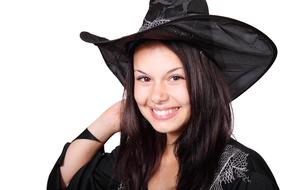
(53, 85)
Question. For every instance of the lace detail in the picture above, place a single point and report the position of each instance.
(232, 165)
(148, 24)
(121, 186)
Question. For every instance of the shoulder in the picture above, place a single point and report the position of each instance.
(242, 168)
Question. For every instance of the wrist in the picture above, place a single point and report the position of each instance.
(101, 130)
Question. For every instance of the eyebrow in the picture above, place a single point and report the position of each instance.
(170, 71)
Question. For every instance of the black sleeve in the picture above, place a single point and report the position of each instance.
(259, 173)
(86, 134)
(261, 176)
(257, 182)
(97, 174)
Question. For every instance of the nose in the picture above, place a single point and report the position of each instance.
(159, 94)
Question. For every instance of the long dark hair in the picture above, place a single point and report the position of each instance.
(203, 139)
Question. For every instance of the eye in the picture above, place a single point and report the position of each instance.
(143, 78)
(176, 77)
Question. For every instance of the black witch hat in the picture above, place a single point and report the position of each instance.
(240, 51)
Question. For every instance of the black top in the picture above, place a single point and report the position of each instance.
(240, 168)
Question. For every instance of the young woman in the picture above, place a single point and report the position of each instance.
(180, 73)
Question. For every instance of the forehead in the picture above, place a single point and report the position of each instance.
(155, 55)
(149, 45)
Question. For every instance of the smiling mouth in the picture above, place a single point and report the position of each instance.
(164, 114)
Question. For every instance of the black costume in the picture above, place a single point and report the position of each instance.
(240, 168)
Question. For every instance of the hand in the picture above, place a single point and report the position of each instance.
(108, 122)
(112, 116)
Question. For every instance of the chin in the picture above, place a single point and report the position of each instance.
(166, 128)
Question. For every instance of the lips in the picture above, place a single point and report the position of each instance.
(163, 114)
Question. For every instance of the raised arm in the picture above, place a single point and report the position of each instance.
(81, 151)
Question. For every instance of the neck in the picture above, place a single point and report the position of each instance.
(169, 148)
(171, 138)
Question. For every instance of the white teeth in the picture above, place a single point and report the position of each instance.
(164, 112)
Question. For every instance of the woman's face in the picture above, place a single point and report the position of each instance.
(160, 88)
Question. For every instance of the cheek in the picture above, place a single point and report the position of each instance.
(140, 95)
(181, 95)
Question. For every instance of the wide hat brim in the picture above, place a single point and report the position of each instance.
(242, 52)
